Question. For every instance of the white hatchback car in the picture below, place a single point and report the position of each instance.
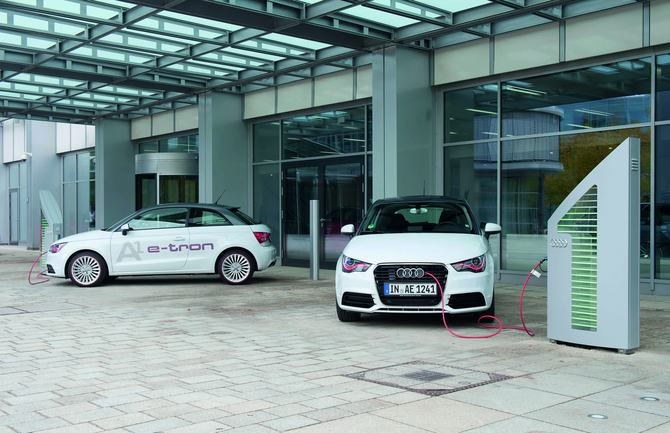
(167, 239)
(401, 242)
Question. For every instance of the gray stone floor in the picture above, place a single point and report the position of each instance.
(190, 354)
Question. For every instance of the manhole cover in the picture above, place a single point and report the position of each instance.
(429, 379)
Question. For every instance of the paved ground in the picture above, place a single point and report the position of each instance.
(190, 354)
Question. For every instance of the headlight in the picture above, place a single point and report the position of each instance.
(478, 264)
(57, 247)
(352, 265)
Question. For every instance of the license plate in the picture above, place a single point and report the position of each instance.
(415, 289)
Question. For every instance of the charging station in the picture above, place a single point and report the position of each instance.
(593, 288)
(51, 222)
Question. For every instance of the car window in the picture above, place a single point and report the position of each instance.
(244, 217)
(159, 219)
(204, 217)
(417, 217)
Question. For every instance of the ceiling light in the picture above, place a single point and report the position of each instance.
(522, 90)
(481, 111)
(579, 126)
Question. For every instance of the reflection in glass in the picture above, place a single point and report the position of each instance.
(178, 189)
(86, 166)
(266, 197)
(145, 190)
(85, 206)
(663, 87)
(69, 168)
(325, 134)
(343, 195)
(182, 144)
(470, 173)
(662, 203)
(471, 114)
(537, 175)
(266, 141)
(595, 97)
(69, 209)
(301, 187)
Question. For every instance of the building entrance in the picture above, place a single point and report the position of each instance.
(339, 185)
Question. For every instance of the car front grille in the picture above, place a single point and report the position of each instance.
(388, 274)
(360, 300)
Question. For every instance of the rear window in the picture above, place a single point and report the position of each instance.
(244, 217)
(419, 217)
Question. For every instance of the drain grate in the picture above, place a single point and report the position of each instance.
(429, 379)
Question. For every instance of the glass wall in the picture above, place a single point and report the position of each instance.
(18, 203)
(554, 130)
(182, 144)
(662, 203)
(337, 132)
(78, 193)
(326, 135)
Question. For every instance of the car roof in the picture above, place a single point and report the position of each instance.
(421, 199)
(211, 206)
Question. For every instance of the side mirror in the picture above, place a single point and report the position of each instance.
(349, 229)
(125, 229)
(491, 229)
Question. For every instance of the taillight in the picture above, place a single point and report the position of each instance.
(262, 237)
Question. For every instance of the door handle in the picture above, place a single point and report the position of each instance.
(179, 238)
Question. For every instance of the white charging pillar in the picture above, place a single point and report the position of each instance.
(593, 286)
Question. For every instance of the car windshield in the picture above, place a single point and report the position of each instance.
(442, 217)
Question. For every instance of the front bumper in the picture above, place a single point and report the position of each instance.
(464, 292)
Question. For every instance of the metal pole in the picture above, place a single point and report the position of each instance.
(314, 239)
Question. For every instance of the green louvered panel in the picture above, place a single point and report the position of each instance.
(581, 223)
(44, 225)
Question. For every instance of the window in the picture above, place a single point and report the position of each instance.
(78, 193)
(202, 217)
(182, 144)
(168, 218)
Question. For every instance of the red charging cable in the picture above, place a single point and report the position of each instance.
(40, 275)
(500, 327)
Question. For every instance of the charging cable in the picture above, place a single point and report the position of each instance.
(40, 275)
(500, 327)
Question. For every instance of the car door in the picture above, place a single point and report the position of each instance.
(209, 231)
(157, 242)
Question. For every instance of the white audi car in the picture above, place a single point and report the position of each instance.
(167, 239)
(401, 242)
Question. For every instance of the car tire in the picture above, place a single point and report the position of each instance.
(87, 269)
(236, 267)
(347, 316)
(491, 311)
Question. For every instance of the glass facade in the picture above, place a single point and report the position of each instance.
(182, 144)
(335, 147)
(78, 193)
(554, 130)
(331, 133)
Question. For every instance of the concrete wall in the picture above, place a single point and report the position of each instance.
(224, 155)
(114, 171)
(403, 120)
(591, 35)
(343, 86)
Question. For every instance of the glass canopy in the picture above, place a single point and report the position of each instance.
(82, 60)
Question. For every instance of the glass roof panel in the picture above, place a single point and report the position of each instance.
(379, 16)
(312, 45)
(200, 21)
(454, 5)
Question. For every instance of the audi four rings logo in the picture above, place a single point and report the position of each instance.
(558, 243)
(409, 273)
